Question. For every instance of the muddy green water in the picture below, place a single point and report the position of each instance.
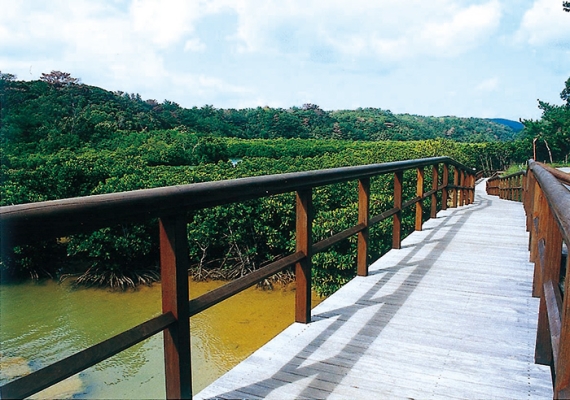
(41, 323)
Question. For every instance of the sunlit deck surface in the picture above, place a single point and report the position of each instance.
(450, 315)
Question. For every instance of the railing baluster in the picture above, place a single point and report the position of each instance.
(434, 186)
(445, 191)
(535, 218)
(543, 349)
(562, 389)
(455, 183)
(462, 190)
(174, 264)
(420, 194)
(472, 191)
(397, 221)
(363, 216)
(303, 267)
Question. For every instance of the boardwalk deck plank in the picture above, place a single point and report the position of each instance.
(448, 316)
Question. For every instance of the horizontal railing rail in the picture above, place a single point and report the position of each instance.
(28, 223)
(508, 187)
(547, 204)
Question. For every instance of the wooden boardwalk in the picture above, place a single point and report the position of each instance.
(450, 315)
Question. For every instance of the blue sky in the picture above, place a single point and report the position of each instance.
(486, 58)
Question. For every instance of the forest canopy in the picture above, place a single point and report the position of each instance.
(61, 138)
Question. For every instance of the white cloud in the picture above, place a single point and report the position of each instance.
(545, 23)
(194, 44)
(463, 30)
(387, 29)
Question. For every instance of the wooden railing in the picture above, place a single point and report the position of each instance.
(547, 206)
(453, 185)
(509, 187)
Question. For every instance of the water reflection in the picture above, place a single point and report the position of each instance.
(41, 323)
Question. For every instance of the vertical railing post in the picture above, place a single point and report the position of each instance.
(174, 264)
(363, 215)
(529, 200)
(445, 190)
(455, 184)
(303, 268)
(512, 183)
(543, 348)
(548, 260)
(462, 190)
(469, 184)
(434, 186)
(562, 389)
(471, 190)
(534, 237)
(397, 221)
(420, 203)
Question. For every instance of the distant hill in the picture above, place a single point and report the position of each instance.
(514, 125)
(57, 115)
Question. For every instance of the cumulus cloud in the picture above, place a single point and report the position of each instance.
(194, 44)
(545, 23)
(387, 29)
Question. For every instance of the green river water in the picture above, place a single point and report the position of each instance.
(41, 323)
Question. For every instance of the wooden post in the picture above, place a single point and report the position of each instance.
(445, 191)
(303, 267)
(363, 216)
(471, 189)
(461, 190)
(174, 264)
(549, 267)
(397, 221)
(434, 186)
(420, 194)
(455, 183)
(534, 237)
(562, 389)
(530, 183)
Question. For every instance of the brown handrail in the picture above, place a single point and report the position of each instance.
(508, 187)
(547, 204)
(27, 223)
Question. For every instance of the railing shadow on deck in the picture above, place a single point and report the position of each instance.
(54, 219)
(327, 370)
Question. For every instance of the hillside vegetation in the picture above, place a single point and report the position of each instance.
(63, 139)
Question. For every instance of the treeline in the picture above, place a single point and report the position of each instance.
(550, 135)
(57, 112)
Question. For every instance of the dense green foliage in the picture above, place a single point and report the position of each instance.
(551, 133)
(68, 139)
(43, 117)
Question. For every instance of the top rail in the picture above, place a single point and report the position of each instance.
(508, 187)
(20, 224)
(57, 218)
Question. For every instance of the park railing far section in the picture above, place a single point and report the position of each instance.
(452, 185)
(547, 206)
(508, 187)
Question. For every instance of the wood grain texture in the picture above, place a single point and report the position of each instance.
(449, 315)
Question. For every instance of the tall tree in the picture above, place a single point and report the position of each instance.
(58, 78)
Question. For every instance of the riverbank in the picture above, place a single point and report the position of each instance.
(43, 322)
